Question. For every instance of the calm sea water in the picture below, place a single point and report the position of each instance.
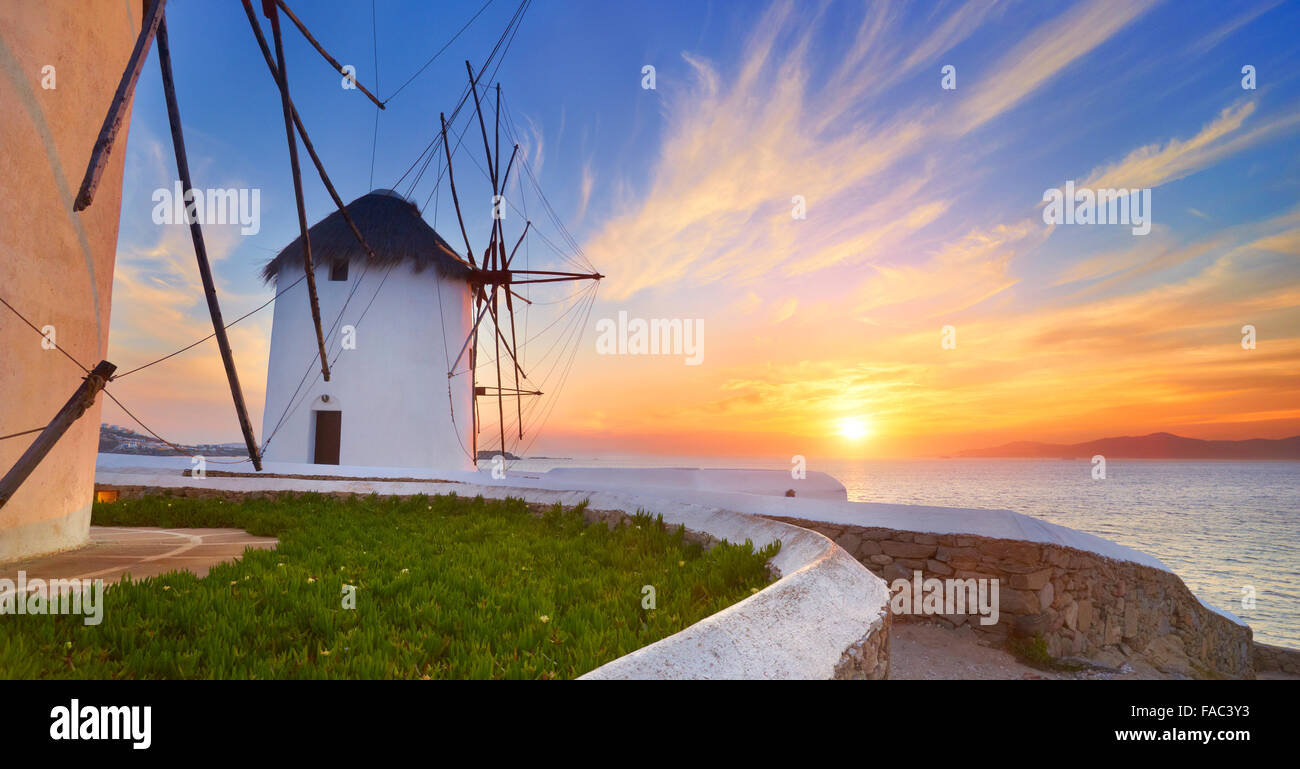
(1225, 527)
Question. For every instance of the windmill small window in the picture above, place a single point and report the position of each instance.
(339, 270)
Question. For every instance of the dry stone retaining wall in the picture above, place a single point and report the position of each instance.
(1276, 659)
(1081, 604)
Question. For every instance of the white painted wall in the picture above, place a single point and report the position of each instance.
(393, 388)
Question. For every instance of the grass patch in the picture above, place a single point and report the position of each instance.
(1032, 651)
(447, 587)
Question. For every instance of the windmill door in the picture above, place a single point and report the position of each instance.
(329, 428)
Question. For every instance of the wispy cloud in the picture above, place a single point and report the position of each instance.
(1045, 55)
(1154, 164)
(1221, 33)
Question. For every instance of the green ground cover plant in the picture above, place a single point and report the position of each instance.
(446, 587)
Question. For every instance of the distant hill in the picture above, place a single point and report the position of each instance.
(482, 455)
(1153, 446)
(121, 440)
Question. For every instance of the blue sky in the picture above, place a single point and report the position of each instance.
(923, 206)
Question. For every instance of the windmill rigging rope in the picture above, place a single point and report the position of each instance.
(515, 22)
(209, 336)
(542, 195)
(533, 338)
(529, 428)
(24, 319)
(172, 446)
(439, 53)
(374, 136)
(572, 333)
(24, 432)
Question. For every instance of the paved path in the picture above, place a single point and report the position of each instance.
(142, 551)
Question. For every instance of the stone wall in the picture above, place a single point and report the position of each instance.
(1276, 659)
(1081, 604)
(868, 659)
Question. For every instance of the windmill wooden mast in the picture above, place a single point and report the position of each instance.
(493, 279)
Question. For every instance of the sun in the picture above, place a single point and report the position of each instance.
(854, 428)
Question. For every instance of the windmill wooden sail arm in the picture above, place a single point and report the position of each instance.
(507, 276)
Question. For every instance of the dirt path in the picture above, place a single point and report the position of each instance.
(929, 651)
(921, 651)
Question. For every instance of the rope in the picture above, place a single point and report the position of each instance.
(436, 55)
(374, 137)
(24, 319)
(209, 336)
(25, 432)
(172, 446)
(513, 23)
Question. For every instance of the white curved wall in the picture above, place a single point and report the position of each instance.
(393, 388)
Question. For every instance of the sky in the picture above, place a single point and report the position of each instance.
(918, 306)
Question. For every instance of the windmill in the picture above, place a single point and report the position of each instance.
(492, 278)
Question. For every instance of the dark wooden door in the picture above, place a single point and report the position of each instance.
(329, 429)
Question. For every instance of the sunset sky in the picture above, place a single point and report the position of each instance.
(822, 335)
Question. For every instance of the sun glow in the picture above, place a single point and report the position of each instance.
(854, 429)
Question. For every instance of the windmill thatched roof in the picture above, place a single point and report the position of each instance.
(391, 225)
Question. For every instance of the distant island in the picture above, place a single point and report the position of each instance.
(1153, 446)
(482, 455)
(121, 440)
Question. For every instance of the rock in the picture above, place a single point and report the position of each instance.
(849, 541)
(1168, 655)
(1131, 620)
(938, 567)
(868, 548)
(907, 549)
(1109, 657)
(926, 539)
(1056, 556)
(1031, 581)
(1045, 596)
(881, 560)
(895, 572)
(1020, 552)
(1085, 615)
(1113, 631)
(1072, 615)
(1013, 601)
(946, 554)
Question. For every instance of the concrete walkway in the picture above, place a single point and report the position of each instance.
(142, 551)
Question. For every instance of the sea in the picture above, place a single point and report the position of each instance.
(1230, 529)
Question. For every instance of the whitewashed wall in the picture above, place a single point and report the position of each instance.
(392, 389)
